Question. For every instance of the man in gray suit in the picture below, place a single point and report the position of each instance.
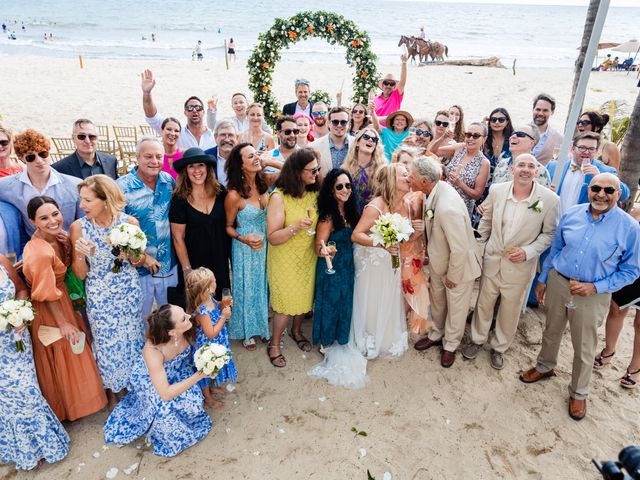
(86, 160)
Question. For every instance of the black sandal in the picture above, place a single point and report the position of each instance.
(275, 359)
(599, 362)
(303, 343)
(627, 381)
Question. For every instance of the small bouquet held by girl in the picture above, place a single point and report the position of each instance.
(210, 358)
(126, 240)
(15, 316)
(210, 320)
(390, 230)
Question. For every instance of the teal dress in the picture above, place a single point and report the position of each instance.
(334, 293)
(250, 315)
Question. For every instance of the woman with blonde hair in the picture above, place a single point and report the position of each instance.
(114, 294)
(363, 160)
(7, 166)
(261, 140)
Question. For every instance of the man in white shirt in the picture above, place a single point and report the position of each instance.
(303, 105)
(226, 137)
(194, 133)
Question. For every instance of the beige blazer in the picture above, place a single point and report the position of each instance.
(533, 232)
(321, 145)
(451, 246)
(553, 140)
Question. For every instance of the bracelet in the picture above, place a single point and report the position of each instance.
(139, 261)
(290, 228)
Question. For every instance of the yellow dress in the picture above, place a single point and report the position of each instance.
(291, 266)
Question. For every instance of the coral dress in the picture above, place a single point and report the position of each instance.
(69, 382)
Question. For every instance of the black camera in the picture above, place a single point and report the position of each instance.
(629, 460)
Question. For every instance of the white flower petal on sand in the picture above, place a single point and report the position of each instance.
(322, 398)
(96, 454)
(260, 409)
(230, 387)
(281, 430)
(112, 473)
(363, 453)
(387, 476)
(256, 453)
(130, 469)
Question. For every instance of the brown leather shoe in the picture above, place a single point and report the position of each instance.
(577, 408)
(532, 375)
(426, 343)
(447, 358)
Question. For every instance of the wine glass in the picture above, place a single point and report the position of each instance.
(12, 257)
(226, 297)
(331, 250)
(311, 212)
(556, 153)
(452, 123)
(570, 305)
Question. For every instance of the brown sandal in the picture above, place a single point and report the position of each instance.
(303, 343)
(602, 360)
(276, 361)
(627, 381)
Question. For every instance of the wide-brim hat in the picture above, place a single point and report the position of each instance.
(193, 155)
(388, 76)
(392, 116)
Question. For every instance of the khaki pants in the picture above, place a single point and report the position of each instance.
(584, 321)
(449, 310)
(511, 298)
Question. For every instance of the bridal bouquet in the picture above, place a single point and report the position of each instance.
(390, 230)
(126, 239)
(211, 357)
(16, 315)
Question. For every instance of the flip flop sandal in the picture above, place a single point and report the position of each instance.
(627, 381)
(599, 362)
(275, 360)
(303, 343)
(249, 344)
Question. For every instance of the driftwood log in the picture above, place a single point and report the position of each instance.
(482, 62)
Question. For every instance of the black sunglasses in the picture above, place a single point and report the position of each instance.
(474, 135)
(340, 186)
(313, 171)
(582, 123)
(83, 136)
(191, 108)
(342, 123)
(366, 137)
(521, 134)
(4, 143)
(423, 133)
(355, 112)
(30, 157)
(607, 190)
(498, 119)
(289, 131)
(441, 124)
(389, 83)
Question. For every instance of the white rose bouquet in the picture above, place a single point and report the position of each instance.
(126, 239)
(16, 315)
(390, 230)
(211, 357)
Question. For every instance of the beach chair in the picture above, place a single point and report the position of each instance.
(103, 132)
(127, 156)
(125, 133)
(148, 131)
(108, 146)
(64, 145)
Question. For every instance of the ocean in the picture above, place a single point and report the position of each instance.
(537, 36)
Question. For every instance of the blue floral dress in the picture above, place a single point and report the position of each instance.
(249, 271)
(170, 426)
(29, 430)
(228, 373)
(114, 308)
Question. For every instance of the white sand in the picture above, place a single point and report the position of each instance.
(422, 421)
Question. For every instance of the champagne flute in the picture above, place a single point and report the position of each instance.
(331, 250)
(556, 153)
(452, 123)
(311, 212)
(570, 305)
(226, 297)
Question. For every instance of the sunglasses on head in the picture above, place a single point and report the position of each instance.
(340, 186)
(302, 81)
(498, 119)
(194, 108)
(582, 123)
(289, 131)
(318, 114)
(30, 157)
(521, 134)
(473, 135)
(440, 123)
(389, 83)
(356, 112)
(423, 133)
(607, 190)
(83, 136)
(369, 138)
(4, 143)
(342, 123)
(313, 171)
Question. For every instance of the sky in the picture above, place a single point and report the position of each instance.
(613, 3)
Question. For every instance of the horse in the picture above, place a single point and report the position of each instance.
(412, 49)
(438, 50)
(424, 49)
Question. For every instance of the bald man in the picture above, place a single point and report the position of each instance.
(594, 252)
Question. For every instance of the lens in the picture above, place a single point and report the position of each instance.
(289, 131)
(4, 143)
(498, 119)
(441, 124)
(83, 136)
(342, 123)
(368, 138)
(197, 108)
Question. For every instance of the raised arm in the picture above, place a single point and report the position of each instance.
(375, 120)
(403, 74)
(147, 83)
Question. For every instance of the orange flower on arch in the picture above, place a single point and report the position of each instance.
(330, 28)
(293, 35)
(265, 88)
(310, 29)
(357, 43)
(363, 74)
(265, 65)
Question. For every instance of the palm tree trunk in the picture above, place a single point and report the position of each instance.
(630, 161)
(586, 36)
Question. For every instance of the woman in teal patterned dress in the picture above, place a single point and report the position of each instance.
(338, 214)
(245, 206)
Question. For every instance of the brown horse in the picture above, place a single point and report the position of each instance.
(412, 49)
(435, 50)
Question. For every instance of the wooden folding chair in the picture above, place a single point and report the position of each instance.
(108, 146)
(127, 156)
(125, 133)
(64, 145)
(148, 131)
(103, 132)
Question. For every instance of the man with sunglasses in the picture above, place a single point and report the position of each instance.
(333, 148)
(287, 132)
(195, 132)
(302, 105)
(86, 160)
(390, 100)
(319, 116)
(595, 251)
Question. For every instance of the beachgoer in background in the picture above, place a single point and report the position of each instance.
(319, 113)
(392, 94)
(456, 122)
(7, 165)
(231, 49)
(302, 105)
(153, 37)
(333, 148)
(422, 34)
(595, 122)
(543, 107)
(198, 50)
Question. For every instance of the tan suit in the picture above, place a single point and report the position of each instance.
(554, 139)
(530, 230)
(453, 255)
(321, 145)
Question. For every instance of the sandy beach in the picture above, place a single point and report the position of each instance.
(422, 421)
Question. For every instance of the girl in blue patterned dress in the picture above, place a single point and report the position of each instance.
(211, 328)
(163, 403)
(29, 430)
(114, 300)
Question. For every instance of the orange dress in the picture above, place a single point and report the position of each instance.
(69, 382)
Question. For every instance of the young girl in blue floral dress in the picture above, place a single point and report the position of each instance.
(210, 321)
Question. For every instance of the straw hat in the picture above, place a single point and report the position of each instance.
(388, 76)
(193, 155)
(391, 117)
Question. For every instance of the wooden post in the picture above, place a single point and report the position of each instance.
(81, 64)
(226, 54)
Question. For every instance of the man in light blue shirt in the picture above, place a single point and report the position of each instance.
(595, 251)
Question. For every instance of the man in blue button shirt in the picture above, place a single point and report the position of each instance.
(595, 251)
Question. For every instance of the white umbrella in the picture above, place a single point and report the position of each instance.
(629, 47)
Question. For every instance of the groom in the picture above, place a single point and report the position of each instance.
(453, 258)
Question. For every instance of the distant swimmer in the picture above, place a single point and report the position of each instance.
(24, 29)
(232, 49)
(153, 37)
(13, 36)
(4, 27)
(51, 37)
(219, 30)
(199, 50)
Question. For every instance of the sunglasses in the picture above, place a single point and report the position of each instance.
(358, 112)
(194, 108)
(289, 131)
(340, 186)
(607, 190)
(389, 83)
(473, 135)
(521, 134)
(302, 81)
(30, 157)
(582, 123)
(4, 143)
(369, 138)
(440, 123)
(83, 136)
(342, 123)
(318, 114)
(498, 119)
(423, 133)
(583, 149)
(313, 171)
